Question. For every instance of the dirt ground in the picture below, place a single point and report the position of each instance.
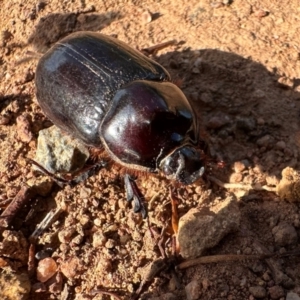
(238, 62)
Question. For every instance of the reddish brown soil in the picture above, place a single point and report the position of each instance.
(239, 65)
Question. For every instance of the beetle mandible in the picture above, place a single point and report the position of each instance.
(105, 93)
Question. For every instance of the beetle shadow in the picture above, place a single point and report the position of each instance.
(246, 112)
(55, 26)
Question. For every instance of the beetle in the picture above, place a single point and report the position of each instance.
(103, 92)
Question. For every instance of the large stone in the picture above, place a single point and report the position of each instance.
(201, 229)
(60, 153)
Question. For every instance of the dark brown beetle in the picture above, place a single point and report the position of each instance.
(105, 93)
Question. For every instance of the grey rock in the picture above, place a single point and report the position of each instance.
(258, 291)
(292, 296)
(60, 153)
(201, 229)
(284, 234)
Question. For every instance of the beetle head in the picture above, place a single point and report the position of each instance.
(184, 165)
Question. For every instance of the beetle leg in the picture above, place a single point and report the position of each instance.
(134, 194)
(87, 172)
(154, 49)
(79, 176)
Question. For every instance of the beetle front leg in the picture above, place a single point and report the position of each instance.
(134, 194)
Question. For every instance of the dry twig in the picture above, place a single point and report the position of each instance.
(255, 187)
(25, 194)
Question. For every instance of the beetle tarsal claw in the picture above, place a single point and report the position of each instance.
(181, 166)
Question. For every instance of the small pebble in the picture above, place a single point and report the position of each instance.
(266, 276)
(206, 284)
(247, 251)
(223, 289)
(97, 222)
(70, 267)
(55, 284)
(24, 129)
(39, 287)
(146, 17)
(218, 121)
(280, 145)
(172, 285)
(239, 166)
(85, 192)
(4, 120)
(257, 267)
(134, 220)
(260, 13)
(84, 220)
(110, 244)
(65, 235)
(246, 124)
(77, 240)
(104, 264)
(42, 185)
(235, 177)
(284, 234)
(99, 239)
(276, 292)
(193, 290)
(260, 121)
(272, 180)
(258, 291)
(264, 141)
(216, 4)
(3, 263)
(46, 269)
(124, 239)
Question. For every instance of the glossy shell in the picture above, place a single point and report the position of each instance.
(103, 92)
(78, 77)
